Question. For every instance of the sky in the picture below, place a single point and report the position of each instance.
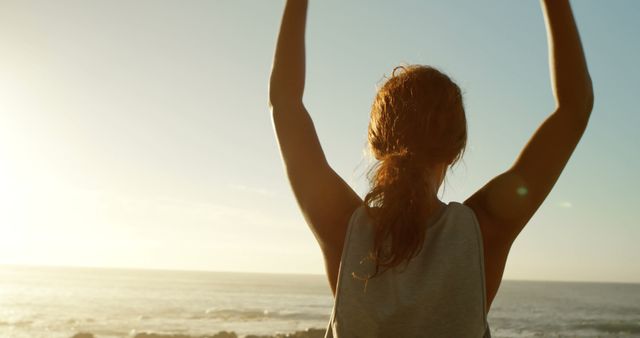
(137, 133)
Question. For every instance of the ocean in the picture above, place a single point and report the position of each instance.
(109, 303)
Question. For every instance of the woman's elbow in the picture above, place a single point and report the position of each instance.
(579, 104)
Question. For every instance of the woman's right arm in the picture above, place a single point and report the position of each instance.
(570, 79)
(514, 196)
(505, 204)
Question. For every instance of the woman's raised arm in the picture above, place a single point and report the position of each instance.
(326, 201)
(513, 197)
(286, 85)
(570, 78)
(506, 203)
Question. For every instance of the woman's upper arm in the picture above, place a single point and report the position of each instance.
(325, 199)
(511, 198)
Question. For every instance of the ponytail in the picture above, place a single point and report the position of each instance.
(417, 124)
(400, 194)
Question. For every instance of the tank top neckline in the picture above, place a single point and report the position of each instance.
(435, 216)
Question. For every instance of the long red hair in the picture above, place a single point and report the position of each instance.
(417, 123)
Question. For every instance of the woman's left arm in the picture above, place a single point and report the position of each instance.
(325, 199)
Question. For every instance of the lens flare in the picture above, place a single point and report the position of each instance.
(522, 191)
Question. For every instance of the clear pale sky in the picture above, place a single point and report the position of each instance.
(137, 133)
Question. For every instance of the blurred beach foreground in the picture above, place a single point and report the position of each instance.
(108, 303)
(310, 333)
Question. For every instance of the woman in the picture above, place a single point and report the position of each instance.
(401, 263)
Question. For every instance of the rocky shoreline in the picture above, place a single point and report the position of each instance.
(309, 333)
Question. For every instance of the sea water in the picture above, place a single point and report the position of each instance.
(60, 302)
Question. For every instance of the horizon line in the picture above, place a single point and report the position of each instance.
(147, 269)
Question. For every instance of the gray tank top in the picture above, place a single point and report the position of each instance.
(439, 293)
